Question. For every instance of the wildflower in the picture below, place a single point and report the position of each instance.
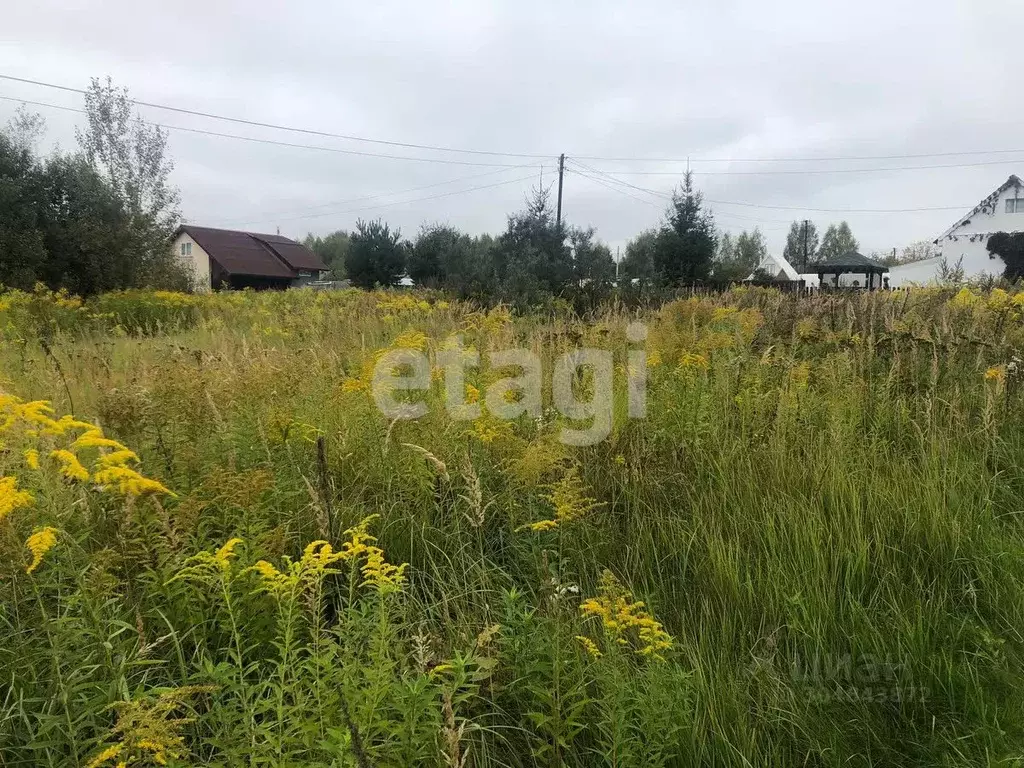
(71, 467)
(964, 299)
(620, 460)
(11, 498)
(107, 754)
(411, 340)
(225, 553)
(117, 458)
(996, 373)
(32, 458)
(128, 482)
(310, 569)
(589, 646)
(626, 621)
(39, 543)
(543, 525)
(94, 439)
(352, 384)
(472, 394)
(654, 359)
(359, 539)
(381, 574)
(692, 361)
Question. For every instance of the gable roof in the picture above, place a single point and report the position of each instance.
(777, 266)
(296, 255)
(985, 204)
(243, 253)
(851, 261)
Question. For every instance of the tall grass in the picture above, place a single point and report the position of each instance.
(822, 510)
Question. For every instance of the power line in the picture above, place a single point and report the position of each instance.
(400, 202)
(293, 129)
(797, 159)
(305, 209)
(613, 188)
(793, 208)
(819, 171)
(252, 139)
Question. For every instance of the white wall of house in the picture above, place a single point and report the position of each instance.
(195, 259)
(969, 239)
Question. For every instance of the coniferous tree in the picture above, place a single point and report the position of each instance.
(686, 242)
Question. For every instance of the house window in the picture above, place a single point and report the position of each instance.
(304, 273)
(1015, 206)
(186, 249)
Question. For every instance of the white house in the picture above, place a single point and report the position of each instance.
(777, 267)
(967, 239)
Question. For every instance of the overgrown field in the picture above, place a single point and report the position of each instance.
(216, 550)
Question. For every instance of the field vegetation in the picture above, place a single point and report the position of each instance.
(215, 550)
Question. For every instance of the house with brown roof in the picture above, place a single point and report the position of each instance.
(233, 259)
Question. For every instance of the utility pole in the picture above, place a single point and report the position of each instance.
(561, 173)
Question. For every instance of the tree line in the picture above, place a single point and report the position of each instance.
(536, 257)
(96, 219)
(101, 218)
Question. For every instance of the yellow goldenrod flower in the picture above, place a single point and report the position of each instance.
(128, 482)
(11, 498)
(71, 467)
(472, 394)
(225, 553)
(107, 754)
(381, 574)
(692, 361)
(94, 439)
(544, 525)
(654, 359)
(589, 646)
(568, 497)
(359, 539)
(411, 340)
(626, 620)
(39, 543)
(117, 458)
(32, 458)
(995, 373)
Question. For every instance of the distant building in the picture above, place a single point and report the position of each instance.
(774, 269)
(227, 257)
(967, 239)
(850, 270)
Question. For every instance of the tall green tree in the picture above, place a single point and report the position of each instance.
(131, 156)
(591, 260)
(638, 261)
(736, 259)
(801, 234)
(23, 251)
(532, 260)
(686, 242)
(376, 255)
(838, 241)
(332, 249)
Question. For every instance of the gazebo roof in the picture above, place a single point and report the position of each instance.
(849, 262)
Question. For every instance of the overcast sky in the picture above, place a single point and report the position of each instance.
(727, 80)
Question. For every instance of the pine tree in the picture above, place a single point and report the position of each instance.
(686, 242)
